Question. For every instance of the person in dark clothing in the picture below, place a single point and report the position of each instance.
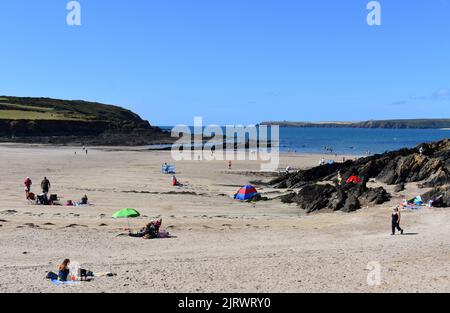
(84, 200)
(45, 185)
(150, 231)
(64, 270)
(396, 218)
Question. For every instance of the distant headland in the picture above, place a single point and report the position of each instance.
(391, 124)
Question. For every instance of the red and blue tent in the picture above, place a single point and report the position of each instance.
(246, 193)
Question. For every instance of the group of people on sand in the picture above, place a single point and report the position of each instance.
(45, 186)
(45, 198)
(66, 274)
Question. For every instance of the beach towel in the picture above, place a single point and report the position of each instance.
(410, 206)
(163, 234)
(56, 282)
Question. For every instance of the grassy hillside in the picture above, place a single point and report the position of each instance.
(45, 120)
(14, 108)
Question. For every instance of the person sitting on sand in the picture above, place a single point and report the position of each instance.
(45, 185)
(63, 271)
(84, 200)
(396, 218)
(150, 231)
(175, 181)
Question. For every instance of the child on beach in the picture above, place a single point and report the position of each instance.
(27, 184)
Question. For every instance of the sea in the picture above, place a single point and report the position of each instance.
(352, 141)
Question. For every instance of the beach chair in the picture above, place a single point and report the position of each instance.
(165, 169)
(171, 169)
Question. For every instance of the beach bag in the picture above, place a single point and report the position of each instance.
(52, 276)
(84, 274)
(42, 199)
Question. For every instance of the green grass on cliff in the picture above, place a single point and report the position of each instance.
(15, 108)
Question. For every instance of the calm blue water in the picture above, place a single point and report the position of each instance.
(356, 141)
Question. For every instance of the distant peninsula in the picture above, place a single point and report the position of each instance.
(72, 122)
(391, 124)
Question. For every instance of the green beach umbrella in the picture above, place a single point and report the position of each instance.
(126, 213)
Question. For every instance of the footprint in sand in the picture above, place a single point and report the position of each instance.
(226, 225)
(103, 225)
(171, 226)
(49, 224)
(9, 212)
(3, 221)
(207, 227)
(31, 225)
(75, 225)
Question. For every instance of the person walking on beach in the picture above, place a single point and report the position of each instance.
(396, 218)
(45, 185)
(229, 165)
(27, 184)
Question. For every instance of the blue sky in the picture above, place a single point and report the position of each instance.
(233, 61)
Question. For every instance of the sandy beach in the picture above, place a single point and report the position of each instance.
(220, 244)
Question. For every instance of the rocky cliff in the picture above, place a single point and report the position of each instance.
(431, 168)
(44, 120)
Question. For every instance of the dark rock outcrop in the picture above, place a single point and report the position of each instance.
(443, 191)
(316, 197)
(427, 164)
(431, 168)
(400, 187)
